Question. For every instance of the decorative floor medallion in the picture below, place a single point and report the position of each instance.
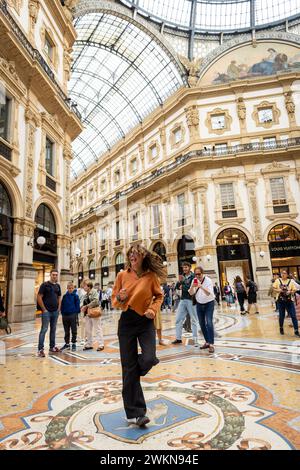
(202, 414)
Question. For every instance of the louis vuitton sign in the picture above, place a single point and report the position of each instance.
(284, 249)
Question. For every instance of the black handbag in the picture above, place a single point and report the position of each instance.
(4, 325)
(194, 301)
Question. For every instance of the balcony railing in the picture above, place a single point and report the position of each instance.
(198, 155)
(36, 55)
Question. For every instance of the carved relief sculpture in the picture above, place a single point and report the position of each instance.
(193, 68)
(192, 119)
(290, 107)
(254, 209)
(33, 6)
(241, 111)
(69, 8)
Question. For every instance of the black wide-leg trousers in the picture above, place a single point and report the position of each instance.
(134, 328)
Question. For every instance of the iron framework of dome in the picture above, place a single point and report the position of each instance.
(217, 15)
(119, 75)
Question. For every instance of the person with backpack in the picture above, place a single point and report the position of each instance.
(285, 289)
(251, 287)
(241, 293)
(70, 310)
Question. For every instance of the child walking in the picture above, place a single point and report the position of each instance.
(70, 309)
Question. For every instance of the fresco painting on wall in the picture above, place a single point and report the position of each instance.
(249, 62)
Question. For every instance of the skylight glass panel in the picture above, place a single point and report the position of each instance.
(222, 16)
(119, 75)
(268, 12)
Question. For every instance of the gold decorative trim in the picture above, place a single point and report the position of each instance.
(266, 105)
(227, 121)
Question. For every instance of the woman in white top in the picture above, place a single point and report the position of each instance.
(203, 289)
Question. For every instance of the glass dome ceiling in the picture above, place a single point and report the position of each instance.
(119, 75)
(216, 15)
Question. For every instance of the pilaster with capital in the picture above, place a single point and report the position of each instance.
(163, 140)
(254, 207)
(142, 154)
(203, 202)
(32, 122)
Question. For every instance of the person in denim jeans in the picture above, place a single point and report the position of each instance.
(49, 299)
(202, 288)
(186, 305)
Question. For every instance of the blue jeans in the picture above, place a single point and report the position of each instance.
(288, 306)
(205, 314)
(48, 317)
(186, 306)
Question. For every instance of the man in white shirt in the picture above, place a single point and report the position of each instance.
(203, 289)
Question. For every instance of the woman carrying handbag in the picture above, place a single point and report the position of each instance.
(92, 312)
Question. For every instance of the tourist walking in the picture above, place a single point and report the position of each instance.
(251, 287)
(228, 293)
(92, 312)
(241, 293)
(138, 293)
(70, 310)
(217, 293)
(203, 290)
(285, 289)
(186, 306)
(49, 300)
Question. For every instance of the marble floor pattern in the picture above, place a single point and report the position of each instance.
(245, 396)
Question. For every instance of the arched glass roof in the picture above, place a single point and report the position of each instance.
(119, 75)
(216, 15)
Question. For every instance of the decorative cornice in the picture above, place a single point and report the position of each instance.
(8, 69)
(275, 167)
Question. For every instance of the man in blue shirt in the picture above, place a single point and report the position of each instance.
(186, 305)
(49, 299)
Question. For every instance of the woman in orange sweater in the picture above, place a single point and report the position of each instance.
(137, 292)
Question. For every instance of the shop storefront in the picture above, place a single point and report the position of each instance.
(119, 262)
(284, 246)
(185, 252)
(160, 249)
(234, 258)
(6, 243)
(45, 245)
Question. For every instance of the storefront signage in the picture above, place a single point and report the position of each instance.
(285, 249)
(233, 252)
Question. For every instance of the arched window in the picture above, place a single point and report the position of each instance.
(160, 249)
(45, 219)
(119, 258)
(5, 204)
(92, 265)
(283, 233)
(104, 262)
(232, 236)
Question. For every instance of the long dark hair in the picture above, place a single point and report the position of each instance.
(152, 261)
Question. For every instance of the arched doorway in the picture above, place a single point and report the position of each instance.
(160, 249)
(119, 262)
(284, 246)
(80, 274)
(6, 242)
(185, 251)
(92, 270)
(234, 257)
(44, 256)
(104, 271)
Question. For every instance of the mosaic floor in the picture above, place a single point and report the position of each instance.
(245, 396)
